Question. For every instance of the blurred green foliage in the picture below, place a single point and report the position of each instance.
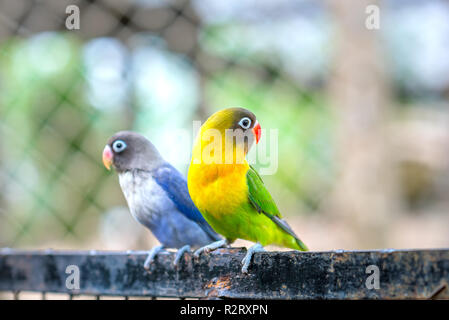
(63, 94)
(53, 137)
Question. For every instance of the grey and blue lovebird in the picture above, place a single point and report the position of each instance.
(157, 195)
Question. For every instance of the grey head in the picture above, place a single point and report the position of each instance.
(127, 150)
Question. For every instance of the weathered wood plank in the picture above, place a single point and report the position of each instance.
(403, 274)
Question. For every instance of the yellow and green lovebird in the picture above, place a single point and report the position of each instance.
(229, 192)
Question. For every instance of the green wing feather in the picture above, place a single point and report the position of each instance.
(259, 196)
(262, 201)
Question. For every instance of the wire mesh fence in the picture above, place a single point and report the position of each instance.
(378, 274)
(152, 66)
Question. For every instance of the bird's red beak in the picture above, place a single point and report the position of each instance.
(107, 157)
(257, 130)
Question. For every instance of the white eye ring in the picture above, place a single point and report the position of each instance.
(245, 123)
(118, 146)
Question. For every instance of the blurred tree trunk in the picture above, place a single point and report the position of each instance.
(364, 195)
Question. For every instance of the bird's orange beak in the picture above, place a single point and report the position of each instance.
(107, 157)
(257, 130)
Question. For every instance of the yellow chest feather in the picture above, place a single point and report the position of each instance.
(218, 188)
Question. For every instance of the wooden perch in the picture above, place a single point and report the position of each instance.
(402, 274)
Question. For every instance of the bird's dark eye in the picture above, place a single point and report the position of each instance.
(118, 146)
(245, 123)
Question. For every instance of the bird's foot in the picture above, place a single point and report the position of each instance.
(210, 247)
(151, 255)
(247, 259)
(180, 254)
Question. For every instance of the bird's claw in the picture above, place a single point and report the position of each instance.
(247, 259)
(210, 247)
(180, 254)
(151, 256)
